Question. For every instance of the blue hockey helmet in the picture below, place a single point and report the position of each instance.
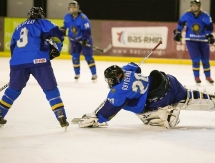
(195, 2)
(113, 75)
(36, 12)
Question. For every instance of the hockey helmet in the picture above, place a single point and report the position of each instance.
(74, 4)
(195, 2)
(113, 75)
(36, 12)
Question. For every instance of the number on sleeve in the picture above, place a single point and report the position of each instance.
(22, 42)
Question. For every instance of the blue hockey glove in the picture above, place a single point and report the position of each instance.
(177, 35)
(210, 38)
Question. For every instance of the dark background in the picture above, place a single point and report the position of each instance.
(137, 10)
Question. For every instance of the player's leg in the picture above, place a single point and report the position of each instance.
(167, 117)
(18, 80)
(195, 55)
(164, 92)
(205, 51)
(88, 54)
(198, 100)
(76, 52)
(46, 79)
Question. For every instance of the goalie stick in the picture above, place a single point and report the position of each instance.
(94, 47)
(5, 86)
(76, 120)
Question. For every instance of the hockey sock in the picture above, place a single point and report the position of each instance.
(91, 63)
(196, 68)
(76, 63)
(7, 100)
(55, 101)
(206, 67)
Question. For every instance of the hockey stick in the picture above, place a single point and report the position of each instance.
(199, 40)
(94, 47)
(76, 120)
(5, 86)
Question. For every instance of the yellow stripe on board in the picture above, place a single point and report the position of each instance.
(125, 59)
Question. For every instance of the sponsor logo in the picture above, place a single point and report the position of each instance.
(139, 37)
(41, 60)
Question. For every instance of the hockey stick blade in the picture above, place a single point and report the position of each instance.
(103, 50)
(75, 120)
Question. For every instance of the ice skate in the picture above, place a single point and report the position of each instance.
(94, 78)
(197, 80)
(2, 121)
(62, 120)
(210, 80)
(77, 77)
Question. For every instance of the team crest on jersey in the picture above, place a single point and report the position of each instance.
(113, 90)
(74, 30)
(196, 28)
(41, 60)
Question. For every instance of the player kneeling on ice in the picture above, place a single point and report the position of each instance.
(156, 99)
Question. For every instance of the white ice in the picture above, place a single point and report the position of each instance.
(33, 135)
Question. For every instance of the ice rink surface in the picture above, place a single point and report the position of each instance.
(33, 135)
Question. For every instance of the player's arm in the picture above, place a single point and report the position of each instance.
(54, 36)
(181, 23)
(132, 67)
(86, 31)
(208, 28)
(105, 113)
(64, 27)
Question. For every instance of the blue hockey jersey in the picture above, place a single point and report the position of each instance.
(196, 27)
(79, 27)
(130, 94)
(28, 45)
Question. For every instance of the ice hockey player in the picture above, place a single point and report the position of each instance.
(34, 43)
(156, 99)
(79, 30)
(199, 29)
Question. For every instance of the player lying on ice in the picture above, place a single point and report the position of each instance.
(156, 99)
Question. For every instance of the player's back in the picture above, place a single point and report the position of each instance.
(133, 89)
(27, 42)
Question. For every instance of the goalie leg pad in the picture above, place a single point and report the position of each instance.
(166, 117)
(200, 101)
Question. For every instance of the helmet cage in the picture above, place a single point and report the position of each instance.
(113, 75)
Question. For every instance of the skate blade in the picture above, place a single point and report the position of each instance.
(65, 128)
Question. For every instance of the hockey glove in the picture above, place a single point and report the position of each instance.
(210, 38)
(138, 69)
(63, 30)
(53, 52)
(90, 120)
(84, 42)
(177, 35)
